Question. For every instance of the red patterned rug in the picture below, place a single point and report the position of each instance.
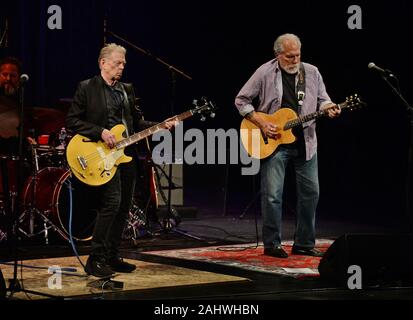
(246, 256)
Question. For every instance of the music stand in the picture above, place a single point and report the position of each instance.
(166, 227)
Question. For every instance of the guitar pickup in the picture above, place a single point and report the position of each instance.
(82, 162)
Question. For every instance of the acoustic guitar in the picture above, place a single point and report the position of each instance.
(260, 147)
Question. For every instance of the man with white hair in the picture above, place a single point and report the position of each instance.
(99, 104)
(286, 82)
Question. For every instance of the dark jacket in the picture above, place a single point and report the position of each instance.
(88, 114)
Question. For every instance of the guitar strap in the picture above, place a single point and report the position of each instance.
(124, 106)
(300, 88)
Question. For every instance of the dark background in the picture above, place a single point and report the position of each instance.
(363, 155)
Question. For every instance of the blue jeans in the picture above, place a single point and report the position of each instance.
(272, 185)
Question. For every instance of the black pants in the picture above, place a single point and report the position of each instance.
(115, 201)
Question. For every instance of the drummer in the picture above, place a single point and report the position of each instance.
(10, 71)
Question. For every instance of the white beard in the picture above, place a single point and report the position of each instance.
(9, 90)
(292, 69)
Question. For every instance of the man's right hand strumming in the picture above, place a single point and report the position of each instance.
(269, 129)
(109, 138)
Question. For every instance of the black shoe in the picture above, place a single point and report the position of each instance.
(277, 252)
(97, 267)
(118, 265)
(306, 251)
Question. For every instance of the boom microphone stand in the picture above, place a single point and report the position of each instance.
(167, 226)
(387, 75)
(4, 36)
(13, 223)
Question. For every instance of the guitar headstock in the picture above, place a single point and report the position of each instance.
(204, 108)
(353, 102)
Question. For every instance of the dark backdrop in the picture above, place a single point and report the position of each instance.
(363, 155)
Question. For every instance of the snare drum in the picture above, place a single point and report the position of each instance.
(48, 156)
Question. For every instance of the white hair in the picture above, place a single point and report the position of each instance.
(279, 42)
(107, 50)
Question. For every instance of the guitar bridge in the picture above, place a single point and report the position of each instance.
(82, 162)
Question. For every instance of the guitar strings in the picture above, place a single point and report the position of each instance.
(127, 141)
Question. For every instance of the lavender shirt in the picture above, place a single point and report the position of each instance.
(266, 84)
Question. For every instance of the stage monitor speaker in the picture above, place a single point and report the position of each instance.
(177, 192)
(382, 258)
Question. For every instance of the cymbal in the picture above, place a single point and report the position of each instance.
(44, 120)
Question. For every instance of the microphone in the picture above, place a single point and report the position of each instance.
(385, 72)
(24, 78)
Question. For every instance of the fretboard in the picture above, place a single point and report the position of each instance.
(150, 131)
(315, 115)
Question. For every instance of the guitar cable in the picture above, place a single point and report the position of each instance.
(242, 248)
(72, 243)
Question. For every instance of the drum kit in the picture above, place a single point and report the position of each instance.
(42, 196)
(48, 194)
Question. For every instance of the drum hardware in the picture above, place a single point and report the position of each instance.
(8, 191)
(31, 216)
(137, 224)
(34, 216)
(3, 231)
(47, 224)
(31, 212)
(62, 139)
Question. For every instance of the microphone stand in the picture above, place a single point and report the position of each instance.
(409, 184)
(4, 37)
(167, 225)
(149, 54)
(14, 220)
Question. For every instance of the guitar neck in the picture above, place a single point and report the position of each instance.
(149, 131)
(315, 115)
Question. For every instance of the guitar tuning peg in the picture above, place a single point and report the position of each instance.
(194, 102)
(203, 118)
(212, 115)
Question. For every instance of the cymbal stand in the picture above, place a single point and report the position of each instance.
(30, 212)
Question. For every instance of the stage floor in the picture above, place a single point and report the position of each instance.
(69, 281)
(160, 277)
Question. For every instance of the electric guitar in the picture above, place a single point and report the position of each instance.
(95, 164)
(260, 147)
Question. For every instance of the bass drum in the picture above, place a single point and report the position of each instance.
(52, 198)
